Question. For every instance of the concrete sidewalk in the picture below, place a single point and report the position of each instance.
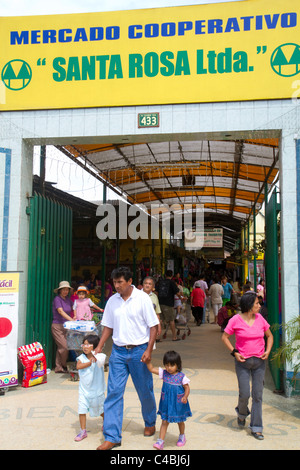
(45, 416)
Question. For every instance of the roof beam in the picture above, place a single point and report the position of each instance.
(238, 155)
(130, 165)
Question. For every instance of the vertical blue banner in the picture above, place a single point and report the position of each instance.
(298, 206)
(7, 173)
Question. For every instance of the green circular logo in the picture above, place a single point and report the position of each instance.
(285, 60)
(16, 74)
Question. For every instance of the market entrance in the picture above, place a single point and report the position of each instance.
(164, 120)
(230, 178)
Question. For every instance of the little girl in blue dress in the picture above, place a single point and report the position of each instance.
(173, 406)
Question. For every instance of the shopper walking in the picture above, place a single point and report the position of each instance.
(62, 310)
(166, 290)
(173, 406)
(130, 318)
(92, 385)
(250, 354)
(216, 292)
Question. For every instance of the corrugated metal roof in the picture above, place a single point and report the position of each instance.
(226, 176)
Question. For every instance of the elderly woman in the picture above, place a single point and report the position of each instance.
(250, 354)
(62, 309)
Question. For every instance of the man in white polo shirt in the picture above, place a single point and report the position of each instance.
(130, 318)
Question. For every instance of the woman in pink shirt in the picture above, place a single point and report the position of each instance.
(250, 353)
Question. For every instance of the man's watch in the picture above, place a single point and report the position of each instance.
(233, 352)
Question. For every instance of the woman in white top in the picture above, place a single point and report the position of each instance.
(216, 291)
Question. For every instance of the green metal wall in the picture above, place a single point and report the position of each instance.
(272, 280)
(50, 256)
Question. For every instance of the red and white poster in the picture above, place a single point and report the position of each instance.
(9, 302)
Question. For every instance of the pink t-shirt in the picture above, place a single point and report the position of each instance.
(249, 339)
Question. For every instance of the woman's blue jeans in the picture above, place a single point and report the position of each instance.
(123, 362)
(253, 368)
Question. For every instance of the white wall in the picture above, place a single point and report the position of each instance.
(20, 130)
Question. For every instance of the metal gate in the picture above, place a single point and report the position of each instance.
(272, 280)
(50, 256)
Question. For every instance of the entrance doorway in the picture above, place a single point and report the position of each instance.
(230, 175)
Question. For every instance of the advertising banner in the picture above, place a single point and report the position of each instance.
(213, 238)
(194, 240)
(9, 302)
(246, 50)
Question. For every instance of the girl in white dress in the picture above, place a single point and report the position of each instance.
(91, 383)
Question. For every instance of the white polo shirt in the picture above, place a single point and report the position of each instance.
(130, 319)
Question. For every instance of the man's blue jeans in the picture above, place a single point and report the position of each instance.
(123, 362)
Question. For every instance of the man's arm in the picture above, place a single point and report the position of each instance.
(147, 354)
(106, 333)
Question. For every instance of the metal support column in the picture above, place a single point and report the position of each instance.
(42, 169)
(103, 267)
(254, 248)
(248, 244)
(272, 279)
(134, 280)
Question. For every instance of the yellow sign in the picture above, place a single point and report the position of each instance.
(248, 50)
(9, 283)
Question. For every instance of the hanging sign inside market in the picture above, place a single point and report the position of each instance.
(244, 50)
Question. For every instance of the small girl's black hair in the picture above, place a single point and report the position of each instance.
(92, 339)
(172, 357)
